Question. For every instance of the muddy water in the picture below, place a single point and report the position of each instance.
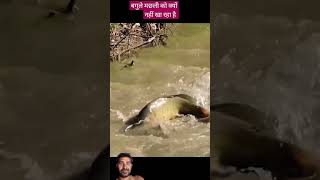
(181, 67)
(52, 91)
(271, 63)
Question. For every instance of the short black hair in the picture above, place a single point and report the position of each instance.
(121, 155)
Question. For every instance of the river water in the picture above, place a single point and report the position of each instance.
(52, 89)
(180, 67)
(271, 63)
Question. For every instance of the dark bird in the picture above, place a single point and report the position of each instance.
(71, 8)
(128, 65)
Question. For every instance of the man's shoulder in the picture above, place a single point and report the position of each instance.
(137, 177)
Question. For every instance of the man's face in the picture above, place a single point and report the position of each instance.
(124, 166)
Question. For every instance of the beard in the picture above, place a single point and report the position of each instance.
(125, 172)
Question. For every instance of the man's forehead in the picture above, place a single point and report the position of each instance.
(125, 159)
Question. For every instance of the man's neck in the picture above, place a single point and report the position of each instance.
(124, 178)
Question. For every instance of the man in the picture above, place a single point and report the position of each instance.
(124, 166)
